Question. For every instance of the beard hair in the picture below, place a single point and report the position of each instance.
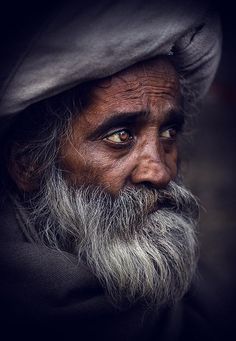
(140, 244)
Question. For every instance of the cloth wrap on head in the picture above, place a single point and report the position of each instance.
(76, 43)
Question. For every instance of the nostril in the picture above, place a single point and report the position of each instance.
(151, 175)
(147, 184)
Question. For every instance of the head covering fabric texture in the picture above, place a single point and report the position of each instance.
(77, 42)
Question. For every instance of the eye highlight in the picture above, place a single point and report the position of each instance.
(170, 133)
(121, 136)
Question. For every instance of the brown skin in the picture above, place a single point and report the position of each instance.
(139, 147)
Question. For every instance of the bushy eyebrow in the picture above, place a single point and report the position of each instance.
(174, 116)
(118, 119)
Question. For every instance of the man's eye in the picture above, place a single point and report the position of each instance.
(121, 136)
(170, 133)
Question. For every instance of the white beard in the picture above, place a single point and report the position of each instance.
(140, 245)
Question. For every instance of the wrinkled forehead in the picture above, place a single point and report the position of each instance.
(159, 70)
(154, 78)
(160, 67)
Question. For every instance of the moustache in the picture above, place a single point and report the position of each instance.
(150, 200)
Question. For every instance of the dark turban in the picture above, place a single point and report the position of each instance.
(76, 42)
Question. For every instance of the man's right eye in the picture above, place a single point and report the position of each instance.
(120, 137)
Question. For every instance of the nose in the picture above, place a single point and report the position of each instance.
(151, 169)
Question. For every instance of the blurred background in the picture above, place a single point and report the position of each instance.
(211, 163)
(211, 169)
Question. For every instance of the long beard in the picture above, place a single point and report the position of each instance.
(140, 245)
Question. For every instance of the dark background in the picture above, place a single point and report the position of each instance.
(210, 170)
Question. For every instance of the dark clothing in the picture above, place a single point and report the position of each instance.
(44, 294)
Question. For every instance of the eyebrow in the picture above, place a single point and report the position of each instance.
(117, 119)
(174, 116)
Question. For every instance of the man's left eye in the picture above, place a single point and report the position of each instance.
(121, 136)
(170, 133)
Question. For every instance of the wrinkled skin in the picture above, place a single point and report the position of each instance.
(138, 146)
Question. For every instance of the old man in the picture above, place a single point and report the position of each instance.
(98, 232)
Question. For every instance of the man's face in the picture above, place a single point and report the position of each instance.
(126, 136)
(108, 198)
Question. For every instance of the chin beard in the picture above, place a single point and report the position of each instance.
(140, 244)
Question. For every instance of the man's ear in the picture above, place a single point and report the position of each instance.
(21, 170)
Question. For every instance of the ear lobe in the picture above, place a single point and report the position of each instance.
(21, 171)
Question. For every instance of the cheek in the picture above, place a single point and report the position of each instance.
(171, 161)
(92, 165)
